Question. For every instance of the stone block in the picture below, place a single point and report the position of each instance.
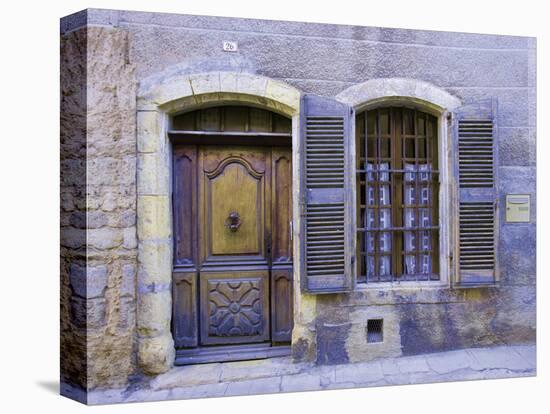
(254, 387)
(148, 395)
(444, 363)
(359, 373)
(301, 382)
(128, 283)
(105, 238)
(154, 313)
(127, 218)
(127, 313)
(389, 367)
(188, 376)
(148, 131)
(247, 370)
(77, 276)
(409, 365)
(88, 313)
(129, 238)
(154, 217)
(205, 83)
(78, 311)
(150, 97)
(497, 357)
(73, 172)
(203, 391)
(111, 170)
(88, 282)
(282, 92)
(528, 353)
(155, 262)
(251, 84)
(156, 355)
(153, 174)
(228, 81)
(78, 219)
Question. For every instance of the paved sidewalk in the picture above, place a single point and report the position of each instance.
(281, 375)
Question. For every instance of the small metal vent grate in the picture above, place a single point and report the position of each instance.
(374, 330)
(324, 152)
(475, 151)
(477, 243)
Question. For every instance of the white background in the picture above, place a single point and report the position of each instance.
(29, 202)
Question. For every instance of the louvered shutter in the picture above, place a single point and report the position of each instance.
(326, 203)
(477, 219)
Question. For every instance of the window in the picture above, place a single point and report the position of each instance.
(398, 191)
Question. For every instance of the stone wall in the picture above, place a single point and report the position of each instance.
(121, 48)
(73, 338)
(98, 208)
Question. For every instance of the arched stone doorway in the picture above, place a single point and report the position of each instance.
(158, 99)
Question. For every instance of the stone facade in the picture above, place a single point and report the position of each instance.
(124, 73)
(98, 208)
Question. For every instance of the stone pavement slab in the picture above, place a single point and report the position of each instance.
(282, 375)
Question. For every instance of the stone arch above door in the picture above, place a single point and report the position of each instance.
(212, 88)
(158, 98)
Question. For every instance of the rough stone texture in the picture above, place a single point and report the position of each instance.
(73, 339)
(109, 174)
(98, 191)
(283, 375)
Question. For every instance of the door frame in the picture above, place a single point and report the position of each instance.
(158, 97)
(188, 278)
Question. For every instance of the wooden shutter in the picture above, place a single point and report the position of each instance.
(326, 203)
(477, 210)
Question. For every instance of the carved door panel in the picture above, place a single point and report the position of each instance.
(232, 280)
(234, 232)
(235, 307)
(282, 315)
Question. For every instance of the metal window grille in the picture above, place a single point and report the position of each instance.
(398, 191)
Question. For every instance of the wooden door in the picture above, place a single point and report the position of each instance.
(234, 205)
(235, 226)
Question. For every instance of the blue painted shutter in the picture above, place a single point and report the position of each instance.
(326, 203)
(476, 150)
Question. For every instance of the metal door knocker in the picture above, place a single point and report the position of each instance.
(233, 221)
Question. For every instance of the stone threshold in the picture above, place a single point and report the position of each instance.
(282, 375)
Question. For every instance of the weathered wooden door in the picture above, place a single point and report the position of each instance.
(234, 235)
(242, 284)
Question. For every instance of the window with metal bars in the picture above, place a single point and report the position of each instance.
(398, 191)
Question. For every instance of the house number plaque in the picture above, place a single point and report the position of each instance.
(229, 46)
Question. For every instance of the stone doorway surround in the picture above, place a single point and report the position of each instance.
(159, 97)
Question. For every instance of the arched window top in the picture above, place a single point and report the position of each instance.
(392, 91)
(398, 193)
